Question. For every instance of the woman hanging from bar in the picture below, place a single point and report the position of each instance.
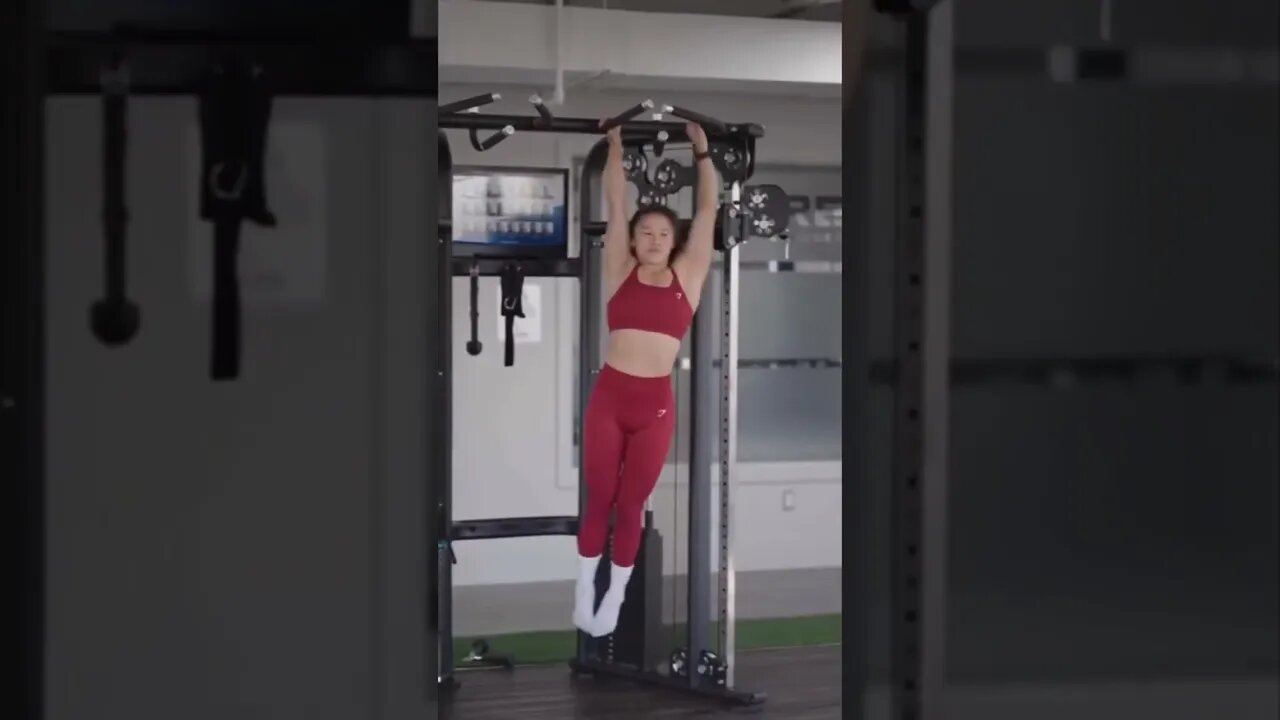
(653, 279)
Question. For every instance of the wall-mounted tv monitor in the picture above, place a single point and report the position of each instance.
(510, 212)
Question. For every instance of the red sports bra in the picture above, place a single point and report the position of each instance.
(637, 306)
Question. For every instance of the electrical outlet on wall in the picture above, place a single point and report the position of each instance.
(788, 500)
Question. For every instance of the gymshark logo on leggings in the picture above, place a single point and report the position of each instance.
(662, 412)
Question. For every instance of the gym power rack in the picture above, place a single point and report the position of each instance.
(633, 651)
(921, 366)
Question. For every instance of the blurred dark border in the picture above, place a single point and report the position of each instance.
(855, 378)
(22, 339)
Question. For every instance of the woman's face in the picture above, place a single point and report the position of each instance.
(654, 239)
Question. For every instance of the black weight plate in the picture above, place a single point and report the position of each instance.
(668, 176)
(769, 208)
(634, 164)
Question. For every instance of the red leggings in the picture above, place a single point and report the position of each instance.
(626, 431)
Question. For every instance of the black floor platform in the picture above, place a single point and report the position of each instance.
(802, 684)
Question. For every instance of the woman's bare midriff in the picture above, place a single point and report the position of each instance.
(642, 353)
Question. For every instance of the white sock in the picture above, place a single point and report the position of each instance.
(584, 595)
(611, 606)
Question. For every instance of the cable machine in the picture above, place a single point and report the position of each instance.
(236, 66)
(119, 50)
(489, 237)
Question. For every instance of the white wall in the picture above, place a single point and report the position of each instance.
(512, 426)
(646, 49)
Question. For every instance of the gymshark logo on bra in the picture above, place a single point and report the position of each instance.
(679, 295)
(662, 412)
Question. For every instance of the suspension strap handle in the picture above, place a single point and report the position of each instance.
(234, 110)
(512, 307)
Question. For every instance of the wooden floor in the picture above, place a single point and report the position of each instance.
(801, 684)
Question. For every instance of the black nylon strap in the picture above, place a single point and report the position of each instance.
(512, 307)
(234, 110)
(509, 351)
(225, 351)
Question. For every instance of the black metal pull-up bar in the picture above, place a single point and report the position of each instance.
(470, 104)
(586, 126)
(464, 115)
(626, 115)
(708, 123)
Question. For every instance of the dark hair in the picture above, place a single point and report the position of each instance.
(670, 215)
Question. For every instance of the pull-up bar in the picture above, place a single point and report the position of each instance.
(464, 115)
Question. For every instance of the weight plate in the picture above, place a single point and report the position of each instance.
(666, 177)
(634, 164)
(652, 198)
(769, 208)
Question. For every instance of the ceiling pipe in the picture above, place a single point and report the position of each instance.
(557, 95)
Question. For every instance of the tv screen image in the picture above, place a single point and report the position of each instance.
(501, 211)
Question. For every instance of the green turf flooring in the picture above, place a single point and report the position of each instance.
(535, 648)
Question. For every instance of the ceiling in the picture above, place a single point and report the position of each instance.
(821, 10)
(1248, 23)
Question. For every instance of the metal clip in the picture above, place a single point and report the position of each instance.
(236, 188)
